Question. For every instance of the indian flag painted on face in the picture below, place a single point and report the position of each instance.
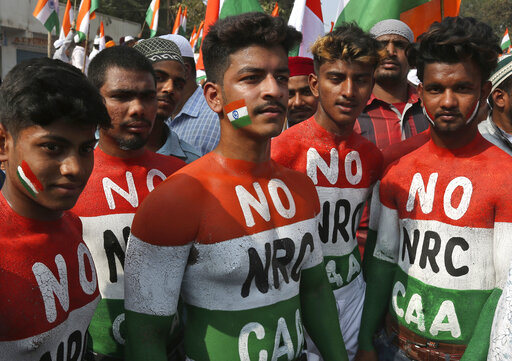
(29, 179)
(237, 113)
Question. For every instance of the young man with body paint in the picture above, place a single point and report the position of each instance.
(443, 249)
(235, 231)
(342, 164)
(49, 289)
(124, 174)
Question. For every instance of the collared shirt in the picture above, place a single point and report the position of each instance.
(494, 134)
(197, 123)
(384, 124)
(178, 148)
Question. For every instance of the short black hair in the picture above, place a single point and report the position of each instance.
(41, 91)
(453, 40)
(348, 42)
(233, 33)
(123, 57)
(192, 64)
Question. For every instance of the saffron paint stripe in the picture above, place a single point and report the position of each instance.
(31, 176)
(237, 113)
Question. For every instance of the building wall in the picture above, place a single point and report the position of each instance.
(22, 36)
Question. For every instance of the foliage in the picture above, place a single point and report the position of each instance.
(496, 13)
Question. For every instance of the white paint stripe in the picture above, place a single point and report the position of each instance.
(93, 236)
(477, 259)
(242, 112)
(502, 251)
(214, 279)
(153, 277)
(388, 243)
(354, 196)
(26, 180)
(34, 347)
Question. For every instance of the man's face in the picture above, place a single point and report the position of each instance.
(130, 98)
(394, 67)
(170, 80)
(450, 93)
(301, 101)
(60, 158)
(260, 76)
(343, 89)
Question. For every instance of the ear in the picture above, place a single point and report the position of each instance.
(5, 136)
(420, 92)
(213, 95)
(486, 89)
(498, 97)
(313, 84)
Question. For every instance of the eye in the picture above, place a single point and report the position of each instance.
(282, 79)
(51, 147)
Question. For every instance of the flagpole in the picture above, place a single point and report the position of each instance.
(85, 49)
(442, 9)
(49, 48)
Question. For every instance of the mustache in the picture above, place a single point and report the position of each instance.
(130, 122)
(300, 109)
(261, 108)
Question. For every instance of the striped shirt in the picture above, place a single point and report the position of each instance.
(197, 124)
(384, 124)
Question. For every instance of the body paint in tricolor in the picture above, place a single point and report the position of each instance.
(237, 113)
(29, 179)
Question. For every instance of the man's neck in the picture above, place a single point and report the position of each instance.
(502, 120)
(188, 90)
(158, 136)
(454, 140)
(392, 93)
(234, 145)
(23, 205)
(110, 147)
(325, 121)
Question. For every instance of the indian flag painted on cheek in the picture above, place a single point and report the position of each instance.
(237, 113)
(29, 179)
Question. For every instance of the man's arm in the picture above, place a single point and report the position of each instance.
(319, 313)
(478, 346)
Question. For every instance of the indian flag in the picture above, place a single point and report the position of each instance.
(237, 113)
(307, 18)
(177, 22)
(95, 4)
(82, 21)
(29, 179)
(152, 16)
(199, 38)
(67, 20)
(47, 12)
(102, 37)
(219, 9)
(505, 42)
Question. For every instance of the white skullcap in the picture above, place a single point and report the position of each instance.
(394, 27)
(128, 38)
(182, 42)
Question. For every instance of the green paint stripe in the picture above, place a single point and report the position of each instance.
(348, 263)
(102, 338)
(214, 335)
(27, 187)
(467, 304)
(241, 122)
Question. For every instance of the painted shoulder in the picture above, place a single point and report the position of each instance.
(398, 150)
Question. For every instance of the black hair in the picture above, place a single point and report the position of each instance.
(192, 64)
(123, 57)
(348, 42)
(233, 33)
(453, 40)
(41, 91)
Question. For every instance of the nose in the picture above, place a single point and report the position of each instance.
(449, 100)
(136, 108)
(390, 48)
(272, 89)
(168, 86)
(71, 166)
(297, 100)
(347, 88)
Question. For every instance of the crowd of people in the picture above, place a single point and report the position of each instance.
(287, 209)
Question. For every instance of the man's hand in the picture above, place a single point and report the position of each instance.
(363, 355)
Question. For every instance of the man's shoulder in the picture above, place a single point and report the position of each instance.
(399, 150)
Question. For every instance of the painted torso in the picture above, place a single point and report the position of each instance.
(343, 171)
(444, 220)
(115, 190)
(49, 287)
(254, 232)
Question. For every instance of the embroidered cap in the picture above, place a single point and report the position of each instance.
(157, 49)
(502, 72)
(392, 26)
